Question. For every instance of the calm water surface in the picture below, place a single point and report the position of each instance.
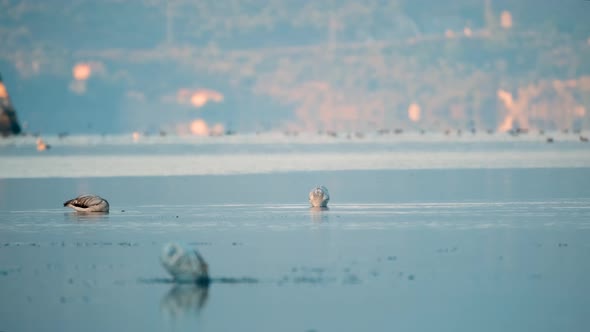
(479, 249)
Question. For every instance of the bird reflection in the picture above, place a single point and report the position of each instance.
(86, 216)
(185, 299)
(319, 214)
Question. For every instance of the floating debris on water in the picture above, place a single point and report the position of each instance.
(8, 271)
(446, 250)
(352, 279)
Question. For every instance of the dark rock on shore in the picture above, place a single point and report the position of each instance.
(8, 122)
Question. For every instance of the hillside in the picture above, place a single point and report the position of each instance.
(154, 65)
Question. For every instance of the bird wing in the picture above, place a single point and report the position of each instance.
(84, 201)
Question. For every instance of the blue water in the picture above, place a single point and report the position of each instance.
(411, 250)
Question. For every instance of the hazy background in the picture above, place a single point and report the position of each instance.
(204, 66)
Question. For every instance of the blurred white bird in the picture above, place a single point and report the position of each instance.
(88, 203)
(184, 264)
(319, 196)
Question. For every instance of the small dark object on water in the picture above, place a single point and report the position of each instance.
(550, 140)
(290, 133)
(562, 244)
(583, 138)
(176, 216)
(411, 277)
(230, 280)
(122, 210)
(383, 131)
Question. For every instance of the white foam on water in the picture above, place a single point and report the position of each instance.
(117, 155)
(76, 166)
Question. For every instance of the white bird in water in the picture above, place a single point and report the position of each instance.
(88, 203)
(319, 197)
(185, 264)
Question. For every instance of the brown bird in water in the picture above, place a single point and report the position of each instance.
(88, 203)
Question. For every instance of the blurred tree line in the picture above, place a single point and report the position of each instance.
(337, 65)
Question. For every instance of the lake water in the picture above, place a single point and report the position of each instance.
(423, 233)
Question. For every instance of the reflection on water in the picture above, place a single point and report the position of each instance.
(190, 298)
(319, 214)
(184, 299)
(86, 216)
